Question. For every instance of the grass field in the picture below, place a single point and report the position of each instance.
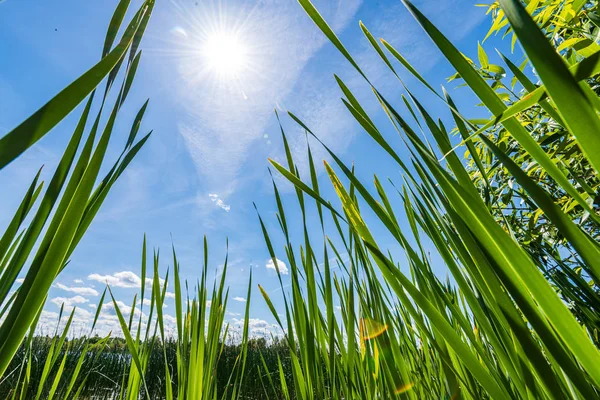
(517, 318)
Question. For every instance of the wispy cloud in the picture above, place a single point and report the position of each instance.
(280, 264)
(240, 299)
(109, 310)
(87, 291)
(316, 99)
(219, 202)
(224, 120)
(221, 129)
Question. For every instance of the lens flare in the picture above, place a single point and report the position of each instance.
(370, 329)
(225, 54)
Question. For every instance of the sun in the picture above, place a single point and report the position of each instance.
(225, 54)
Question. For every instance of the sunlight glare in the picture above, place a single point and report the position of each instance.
(225, 54)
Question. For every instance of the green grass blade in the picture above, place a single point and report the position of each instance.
(573, 104)
(42, 121)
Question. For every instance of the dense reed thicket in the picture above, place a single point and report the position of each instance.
(503, 330)
(509, 205)
(59, 216)
(107, 366)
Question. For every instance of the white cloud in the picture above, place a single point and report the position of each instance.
(69, 301)
(20, 280)
(123, 279)
(48, 321)
(78, 281)
(169, 295)
(257, 326)
(240, 299)
(255, 323)
(147, 302)
(224, 206)
(83, 317)
(109, 312)
(170, 320)
(48, 315)
(77, 289)
(219, 202)
(282, 267)
(81, 313)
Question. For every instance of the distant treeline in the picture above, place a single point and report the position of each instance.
(110, 367)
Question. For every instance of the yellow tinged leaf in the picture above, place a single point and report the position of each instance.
(404, 388)
(376, 358)
(569, 43)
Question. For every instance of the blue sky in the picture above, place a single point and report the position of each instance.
(207, 159)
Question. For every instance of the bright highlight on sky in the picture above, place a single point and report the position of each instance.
(225, 53)
(215, 71)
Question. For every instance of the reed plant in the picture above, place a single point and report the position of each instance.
(500, 329)
(517, 317)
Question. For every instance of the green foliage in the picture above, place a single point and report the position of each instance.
(511, 212)
(106, 364)
(571, 29)
(69, 204)
(502, 330)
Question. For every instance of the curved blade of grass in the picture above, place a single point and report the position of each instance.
(533, 293)
(58, 375)
(304, 187)
(131, 345)
(406, 64)
(47, 202)
(42, 121)
(51, 257)
(400, 283)
(516, 263)
(314, 14)
(114, 25)
(21, 213)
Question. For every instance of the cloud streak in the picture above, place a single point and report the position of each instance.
(219, 202)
